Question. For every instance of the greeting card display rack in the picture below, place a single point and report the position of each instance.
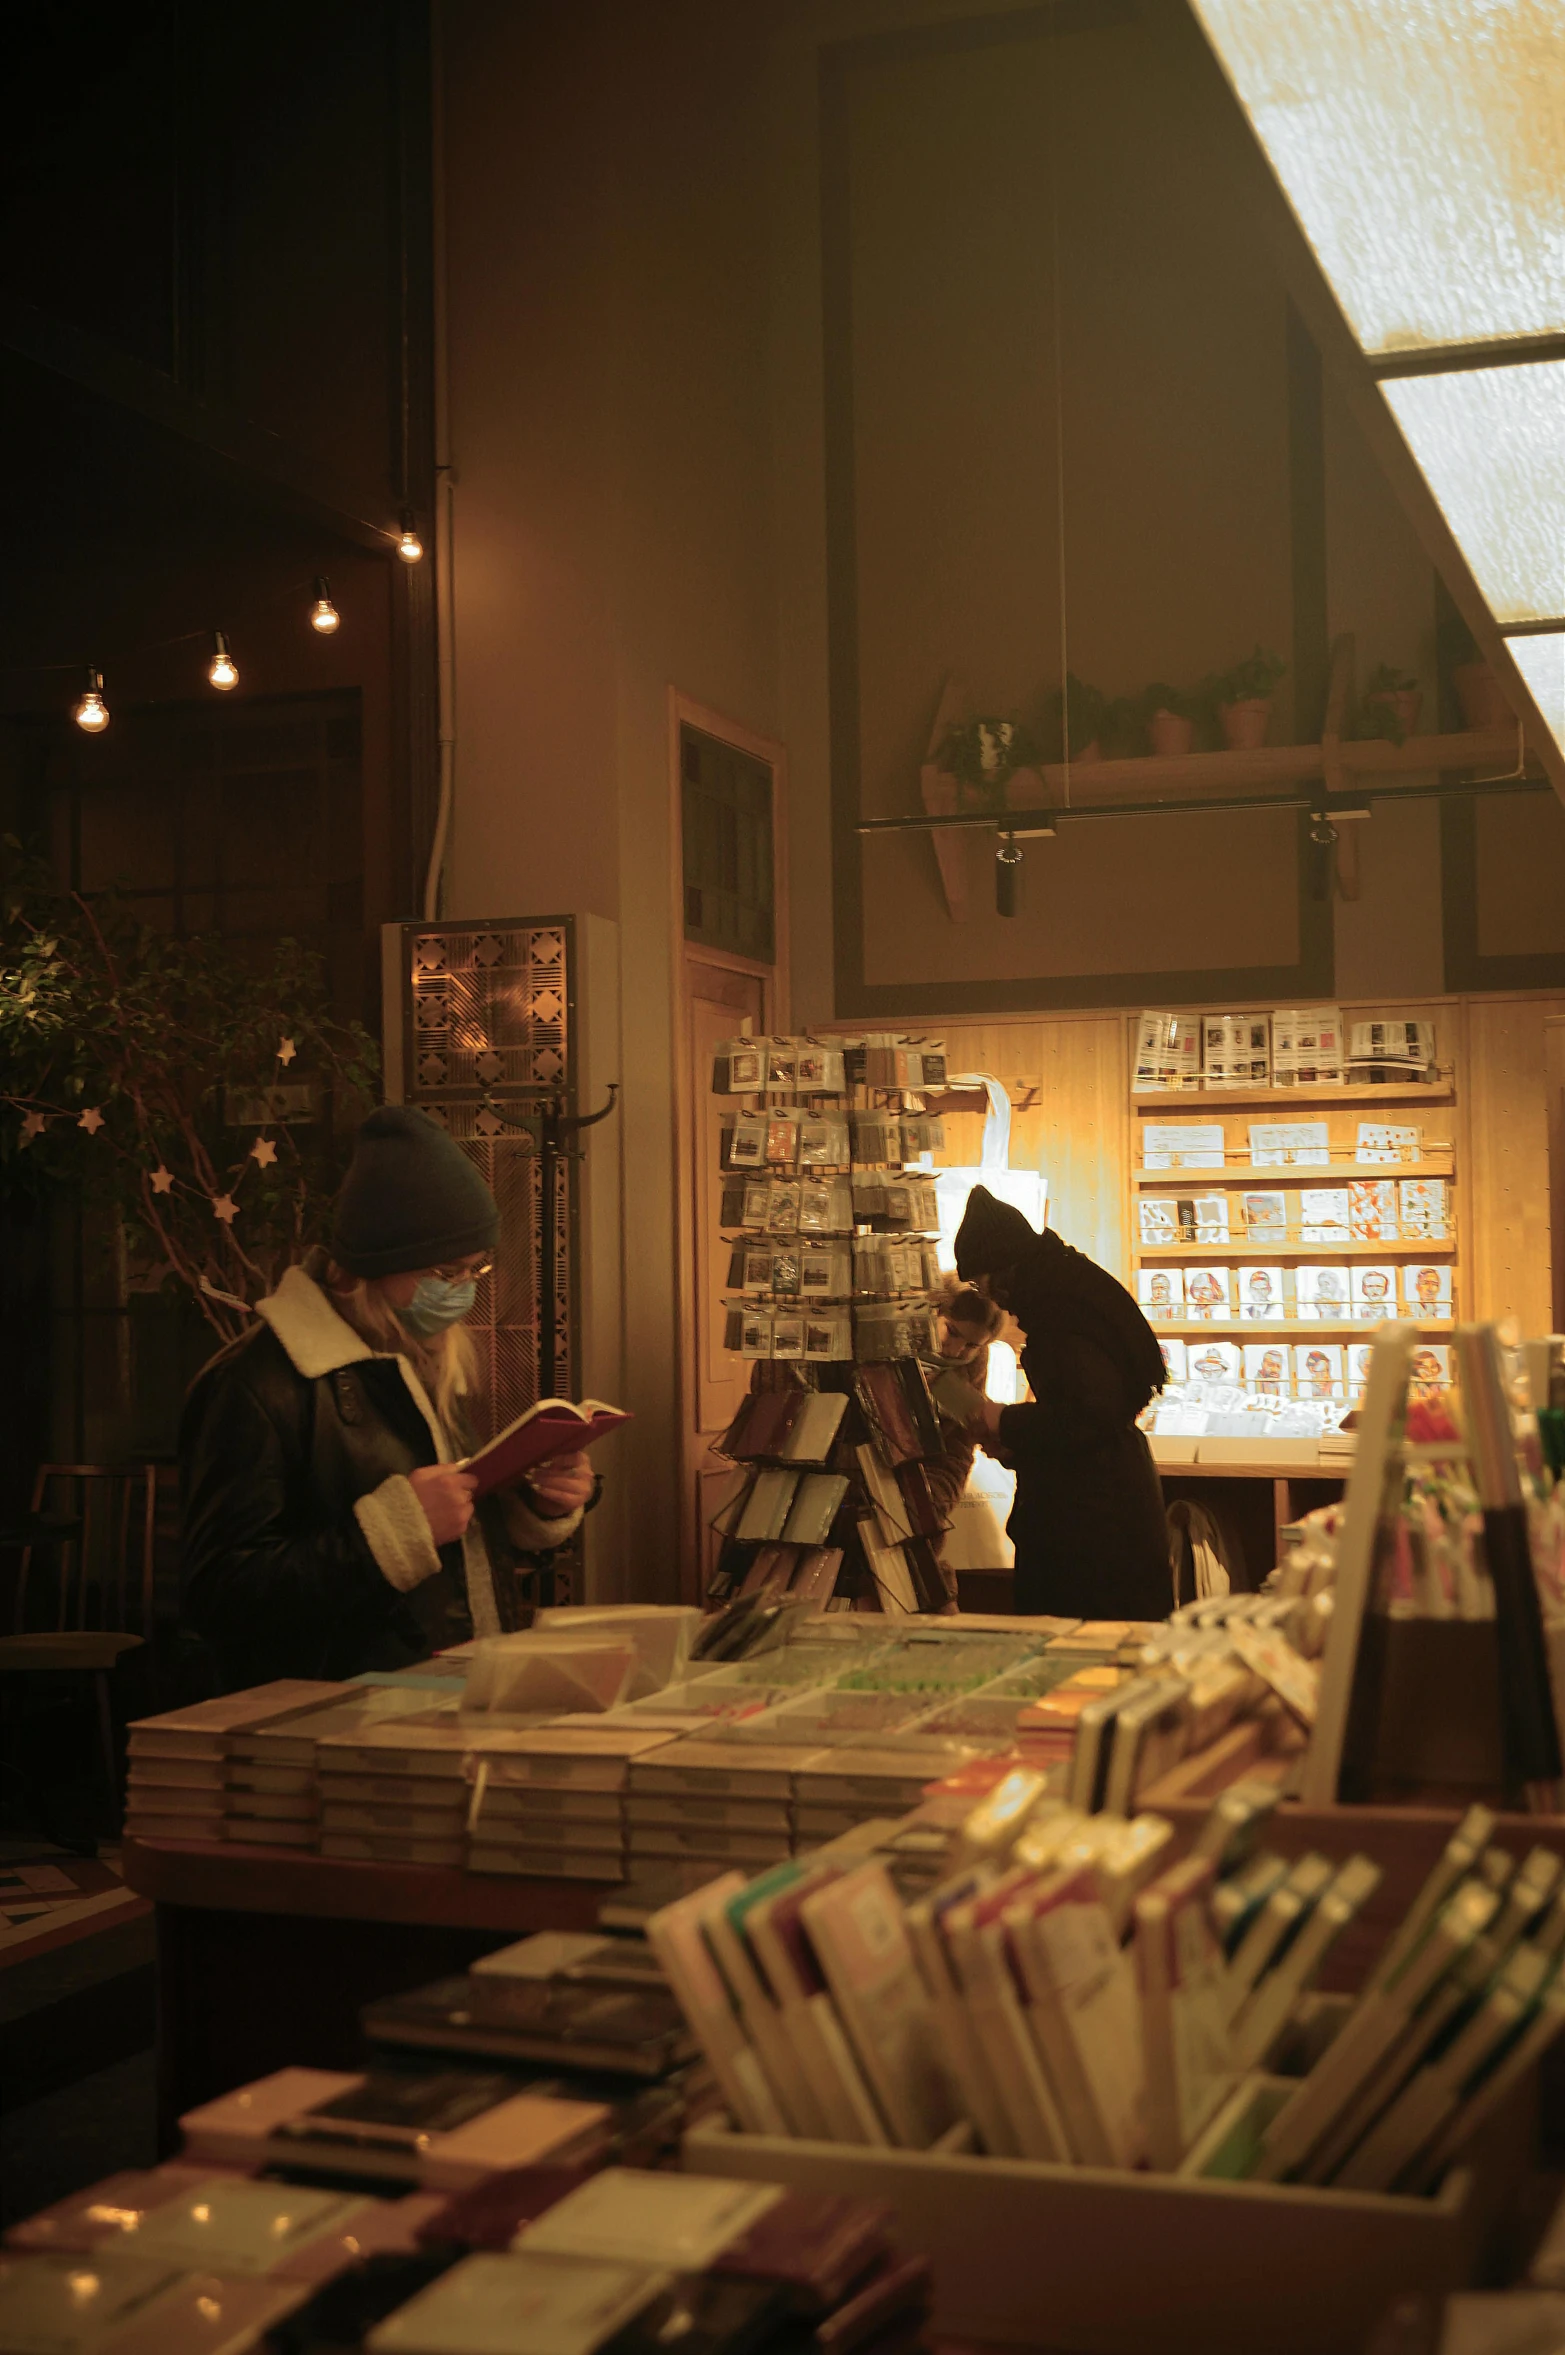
(1187, 1233)
(829, 1211)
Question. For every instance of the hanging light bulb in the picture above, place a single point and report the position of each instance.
(90, 711)
(221, 670)
(323, 614)
(409, 546)
(1008, 876)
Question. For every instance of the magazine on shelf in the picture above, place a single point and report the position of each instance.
(1260, 1294)
(1322, 1293)
(1209, 1294)
(1214, 1361)
(1307, 1046)
(1426, 1291)
(1323, 1215)
(1168, 1053)
(1161, 1292)
(1318, 1369)
(1374, 1293)
(1185, 1144)
(1266, 1369)
(1236, 1050)
(1289, 1144)
(1421, 1208)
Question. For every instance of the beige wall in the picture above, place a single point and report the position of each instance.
(606, 205)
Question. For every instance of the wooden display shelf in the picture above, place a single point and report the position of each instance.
(1412, 1091)
(230, 1877)
(1295, 1328)
(1308, 1251)
(1201, 1181)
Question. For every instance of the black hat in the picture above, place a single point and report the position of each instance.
(992, 1235)
(411, 1198)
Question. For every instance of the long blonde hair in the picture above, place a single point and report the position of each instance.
(446, 1363)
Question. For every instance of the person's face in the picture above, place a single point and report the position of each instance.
(1427, 1285)
(956, 1340)
(1260, 1287)
(1205, 1289)
(1375, 1285)
(399, 1290)
(1160, 1293)
(1426, 1367)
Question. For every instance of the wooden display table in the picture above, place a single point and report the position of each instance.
(266, 1956)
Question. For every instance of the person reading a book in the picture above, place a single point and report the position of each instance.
(327, 1526)
(965, 1325)
(1087, 1523)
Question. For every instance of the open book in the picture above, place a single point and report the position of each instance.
(550, 1427)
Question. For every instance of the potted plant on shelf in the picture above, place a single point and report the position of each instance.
(1170, 716)
(1244, 699)
(1390, 704)
(1079, 717)
(983, 755)
(1481, 696)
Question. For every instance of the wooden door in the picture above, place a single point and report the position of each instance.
(719, 1000)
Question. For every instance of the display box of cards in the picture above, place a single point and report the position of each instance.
(1115, 2263)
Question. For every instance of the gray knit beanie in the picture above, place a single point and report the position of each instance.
(411, 1198)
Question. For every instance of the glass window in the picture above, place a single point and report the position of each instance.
(1541, 662)
(1422, 146)
(1491, 443)
(727, 831)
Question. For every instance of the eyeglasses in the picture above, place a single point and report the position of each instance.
(463, 1273)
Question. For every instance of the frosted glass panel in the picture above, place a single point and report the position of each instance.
(1422, 145)
(1541, 662)
(1491, 442)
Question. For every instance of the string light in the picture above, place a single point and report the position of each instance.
(1008, 877)
(323, 614)
(409, 546)
(221, 670)
(91, 712)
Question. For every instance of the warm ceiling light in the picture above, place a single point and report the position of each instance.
(1008, 877)
(409, 546)
(90, 711)
(221, 670)
(323, 614)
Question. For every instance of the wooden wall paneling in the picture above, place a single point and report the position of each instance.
(1508, 1153)
(1554, 1076)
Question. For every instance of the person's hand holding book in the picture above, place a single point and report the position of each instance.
(559, 1486)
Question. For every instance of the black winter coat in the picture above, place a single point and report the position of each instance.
(1088, 1522)
(305, 1553)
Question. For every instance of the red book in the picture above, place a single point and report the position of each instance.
(550, 1427)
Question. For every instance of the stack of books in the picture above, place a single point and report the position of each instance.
(183, 1783)
(274, 1768)
(552, 1801)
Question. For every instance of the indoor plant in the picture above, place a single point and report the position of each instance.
(1244, 699)
(1170, 716)
(983, 755)
(1390, 704)
(191, 1093)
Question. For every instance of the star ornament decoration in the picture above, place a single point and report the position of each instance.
(162, 1180)
(33, 1124)
(286, 1050)
(264, 1152)
(91, 1120)
(225, 1207)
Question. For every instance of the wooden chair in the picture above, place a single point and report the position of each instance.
(99, 1522)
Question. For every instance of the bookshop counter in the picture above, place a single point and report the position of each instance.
(266, 1956)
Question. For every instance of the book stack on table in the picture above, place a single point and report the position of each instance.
(552, 1801)
(181, 1784)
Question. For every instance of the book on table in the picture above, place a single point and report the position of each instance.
(550, 1427)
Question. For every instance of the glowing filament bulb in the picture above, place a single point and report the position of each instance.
(90, 711)
(409, 546)
(323, 614)
(220, 670)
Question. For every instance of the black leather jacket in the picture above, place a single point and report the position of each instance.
(305, 1552)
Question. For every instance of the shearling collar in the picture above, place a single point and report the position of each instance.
(317, 1339)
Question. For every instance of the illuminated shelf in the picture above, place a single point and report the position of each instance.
(1410, 1091)
(1215, 1252)
(1272, 1180)
(1293, 1328)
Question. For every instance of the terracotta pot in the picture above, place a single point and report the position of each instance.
(1481, 696)
(1244, 724)
(1406, 702)
(1169, 734)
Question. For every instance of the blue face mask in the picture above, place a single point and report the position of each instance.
(438, 1301)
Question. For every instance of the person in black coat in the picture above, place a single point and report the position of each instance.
(1087, 1523)
(326, 1527)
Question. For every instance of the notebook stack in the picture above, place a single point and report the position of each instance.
(182, 1785)
(552, 1802)
(703, 1799)
(274, 1770)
